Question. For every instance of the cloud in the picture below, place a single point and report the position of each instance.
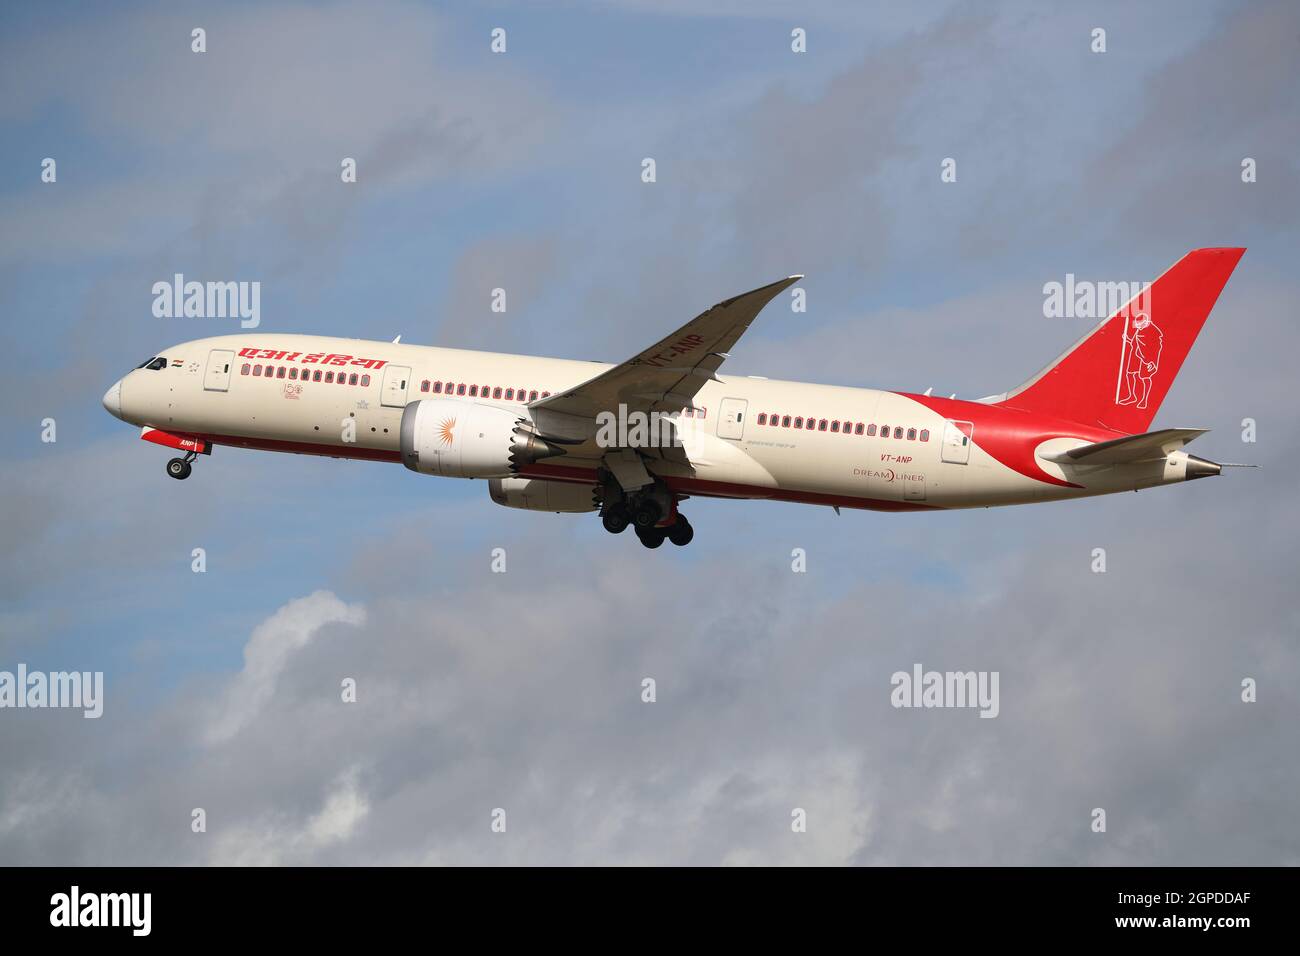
(270, 650)
(253, 131)
(273, 841)
(522, 266)
(522, 691)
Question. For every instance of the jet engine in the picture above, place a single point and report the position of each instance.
(469, 440)
(536, 494)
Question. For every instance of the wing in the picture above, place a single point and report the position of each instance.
(667, 375)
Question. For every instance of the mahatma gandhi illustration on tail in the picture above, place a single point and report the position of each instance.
(1140, 359)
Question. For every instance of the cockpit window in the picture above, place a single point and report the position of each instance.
(146, 361)
(157, 363)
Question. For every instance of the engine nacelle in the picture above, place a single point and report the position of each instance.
(468, 440)
(536, 494)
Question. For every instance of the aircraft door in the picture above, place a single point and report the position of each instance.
(957, 437)
(393, 391)
(731, 418)
(217, 376)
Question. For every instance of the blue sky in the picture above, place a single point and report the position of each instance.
(522, 170)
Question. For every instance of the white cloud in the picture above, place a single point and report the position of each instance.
(268, 652)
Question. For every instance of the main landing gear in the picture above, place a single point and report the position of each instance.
(651, 512)
(679, 533)
(180, 468)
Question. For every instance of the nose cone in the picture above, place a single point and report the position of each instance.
(113, 400)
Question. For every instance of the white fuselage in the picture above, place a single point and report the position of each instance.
(272, 392)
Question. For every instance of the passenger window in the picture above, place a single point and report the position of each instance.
(546, 394)
(473, 391)
(785, 421)
(857, 429)
(365, 379)
(246, 369)
(762, 418)
(898, 431)
(352, 379)
(329, 378)
(925, 434)
(460, 389)
(293, 372)
(424, 386)
(510, 394)
(911, 434)
(257, 370)
(315, 376)
(798, 422)
(884, 431)
(281, 372)
(821, 426)
(835, 426)
(496, 393)
(871, 429)
(437, 388)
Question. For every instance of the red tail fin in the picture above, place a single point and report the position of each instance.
(1117, 375)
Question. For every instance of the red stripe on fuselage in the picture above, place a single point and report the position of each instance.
(307, 448)
(1010, 436)
(726, 489)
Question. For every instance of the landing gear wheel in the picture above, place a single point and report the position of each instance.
(179, 469)
(651, 537)
(616, 520)
(680, 532)
(647, 515)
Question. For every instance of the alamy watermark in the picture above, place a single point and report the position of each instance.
(922, 688)
(208, 300)
(1084, 299)
(129, 910)
(39, 689)
(636, 429)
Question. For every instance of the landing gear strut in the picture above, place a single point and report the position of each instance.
(180, 468)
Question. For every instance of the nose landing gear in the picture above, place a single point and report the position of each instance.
(180, 468)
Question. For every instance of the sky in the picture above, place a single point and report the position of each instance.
(521, 691)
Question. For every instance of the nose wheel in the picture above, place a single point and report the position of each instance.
(180, 468)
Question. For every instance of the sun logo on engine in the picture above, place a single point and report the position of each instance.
(444, 431)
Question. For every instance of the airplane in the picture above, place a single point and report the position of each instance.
(633, 441)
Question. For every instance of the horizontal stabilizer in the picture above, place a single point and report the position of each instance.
(1150, 446)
